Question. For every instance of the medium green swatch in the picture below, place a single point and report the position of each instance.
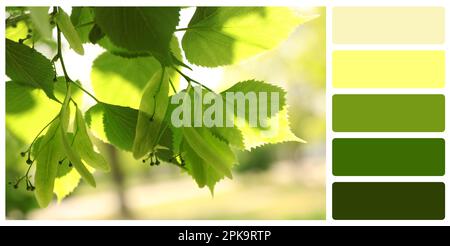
(388, 201)
(388, 157)
(388, 113)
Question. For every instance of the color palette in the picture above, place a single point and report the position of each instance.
(379, 88)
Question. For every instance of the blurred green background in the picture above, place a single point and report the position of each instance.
(284, 181)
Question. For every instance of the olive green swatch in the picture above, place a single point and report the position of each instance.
(388, 201)
(388, 157)
(388, 113)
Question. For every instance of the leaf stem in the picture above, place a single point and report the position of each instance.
(192, 28)
(85, 91)
(173, 87)
(26, 177)
(182, 29)
(28, 170)
(178, 62)
(189, 79)
(74, 103)
(66, 75)
(59, 54)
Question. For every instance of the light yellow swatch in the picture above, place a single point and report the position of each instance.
(388, 69)
(388, 25)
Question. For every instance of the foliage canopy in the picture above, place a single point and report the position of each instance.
(133, 83)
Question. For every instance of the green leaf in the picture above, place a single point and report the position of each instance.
(120, 81)
(202, 13)
(219, 36)
(152, 111)
(72, 156)
(262, 91)
(244, 135)
(19, 98)
(67, 178)
(47, 159)
(79, 17)
(258, 87)
(113, 124)
(247, 136)
(75, 159)
(66, 181)
(230, 135)
(41, 20)
(69, 32)
(82, 143)
(27, 66)
(278, 131)
(203, 173)
(213, 151)
(140, 28)
(106, 43)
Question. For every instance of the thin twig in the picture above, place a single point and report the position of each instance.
(182, 29)
(66, 75)
(61, 59)
(189, 79)
(85, 91)
(173, 87)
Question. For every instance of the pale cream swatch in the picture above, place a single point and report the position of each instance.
(388, 25)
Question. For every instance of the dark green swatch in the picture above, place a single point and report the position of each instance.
(388, 201)
(388, 113)
(388, 157)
